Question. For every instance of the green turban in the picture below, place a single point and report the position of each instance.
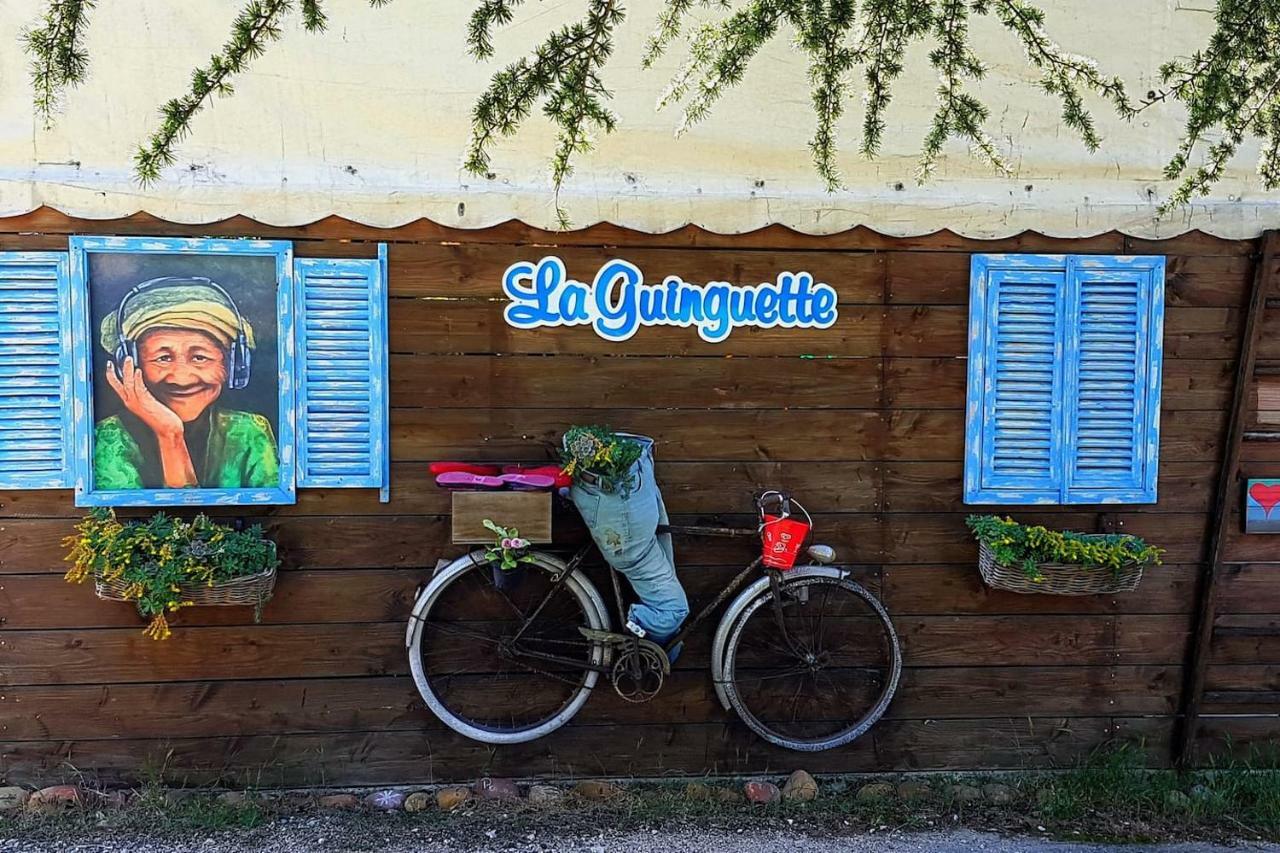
(185, 304)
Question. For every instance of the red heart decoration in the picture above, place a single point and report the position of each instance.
(1266, 495)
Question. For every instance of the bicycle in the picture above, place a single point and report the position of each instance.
(807, 657)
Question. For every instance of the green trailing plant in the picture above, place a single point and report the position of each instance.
(601, 452)
(508, 550)
(1028, 546)
(155, 559)
(1230, 88)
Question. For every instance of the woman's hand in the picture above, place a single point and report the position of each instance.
(175, 457)
(139, 400)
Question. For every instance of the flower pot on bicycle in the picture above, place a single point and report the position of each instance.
(808, 659)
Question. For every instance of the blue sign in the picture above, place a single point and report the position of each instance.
(618, 302)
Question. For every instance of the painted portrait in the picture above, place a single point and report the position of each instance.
(187, 374)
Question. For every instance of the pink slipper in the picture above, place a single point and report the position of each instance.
(528, 482)
(463, 480)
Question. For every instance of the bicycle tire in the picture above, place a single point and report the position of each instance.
(594, 616)
(845, 734)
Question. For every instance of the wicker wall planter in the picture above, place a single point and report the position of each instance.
(1059, 578)
(248, 591)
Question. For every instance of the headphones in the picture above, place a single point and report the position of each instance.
(239, 356)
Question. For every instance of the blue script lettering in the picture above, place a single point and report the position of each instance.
(618, 302)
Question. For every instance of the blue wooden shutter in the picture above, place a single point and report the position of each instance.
(1013, 429)
(1115, 308)
(342, 372)
(35, 371)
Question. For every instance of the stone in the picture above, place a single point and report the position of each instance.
(761, 793)
(875, 792)
(339, 802)
(386, 801)
(727, 795)
(997, 794)
(966, 793)
(1177, 801)
(114, 800)
(545, 795)
(55, 798)
(699, 792)
(13, 798)
(800, 787)
(914, 790)
(235, 799)
(496, 789)
(1201, 792)
(449, 799)
(176, 796)
(597, 790)
(418, 801)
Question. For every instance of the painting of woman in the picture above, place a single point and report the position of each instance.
(178, 351)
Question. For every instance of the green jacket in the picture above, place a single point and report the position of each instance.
(239, 453)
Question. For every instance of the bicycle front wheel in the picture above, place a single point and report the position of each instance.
(506, 664)
(814, 667)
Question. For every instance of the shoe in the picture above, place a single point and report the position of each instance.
(463, 480)
(528, 482)
(437, 468)
(562, 480)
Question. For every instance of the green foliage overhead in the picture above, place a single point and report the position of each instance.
(1230, 88)
(1029, 546)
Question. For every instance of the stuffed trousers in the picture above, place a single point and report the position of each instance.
(624, 524)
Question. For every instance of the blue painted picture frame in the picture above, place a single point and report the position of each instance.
(184, 263)
(1262, 506)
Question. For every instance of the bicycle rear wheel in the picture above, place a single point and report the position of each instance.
(477, 677)
(815, 668)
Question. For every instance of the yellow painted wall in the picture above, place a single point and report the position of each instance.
(370, 119)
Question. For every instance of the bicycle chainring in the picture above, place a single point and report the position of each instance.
(639, 671)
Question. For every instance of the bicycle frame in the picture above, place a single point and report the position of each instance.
(570, 567)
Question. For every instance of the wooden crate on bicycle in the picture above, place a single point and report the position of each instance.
(528, 512)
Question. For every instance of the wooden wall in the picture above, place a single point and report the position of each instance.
(864, 421)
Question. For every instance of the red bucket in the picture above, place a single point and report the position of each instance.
(783, 539)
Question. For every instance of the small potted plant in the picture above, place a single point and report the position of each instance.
(1033, 559)
(164, 564)
(507, 555)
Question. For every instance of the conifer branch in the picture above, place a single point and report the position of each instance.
(564, 72)
(59, 59)
(890, 26)
(256, 25)
(1233, 85)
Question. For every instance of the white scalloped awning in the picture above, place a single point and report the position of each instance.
(369, 121)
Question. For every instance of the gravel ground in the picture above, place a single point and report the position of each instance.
(316, 835)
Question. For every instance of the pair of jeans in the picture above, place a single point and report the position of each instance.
(624, 524)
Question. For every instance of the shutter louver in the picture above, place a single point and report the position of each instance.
(342, 372)
(1018, 356)
(1113, 379)
(35, 371)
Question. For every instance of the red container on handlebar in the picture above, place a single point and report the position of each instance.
(783, 538)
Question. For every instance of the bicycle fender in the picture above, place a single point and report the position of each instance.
(734, 610)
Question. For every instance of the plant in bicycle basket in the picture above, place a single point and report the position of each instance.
(157, 560)
(602, 453)
(1028, 546)
(508, 551)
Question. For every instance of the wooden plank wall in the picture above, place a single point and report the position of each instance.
(1241, 708)
(864, 421)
